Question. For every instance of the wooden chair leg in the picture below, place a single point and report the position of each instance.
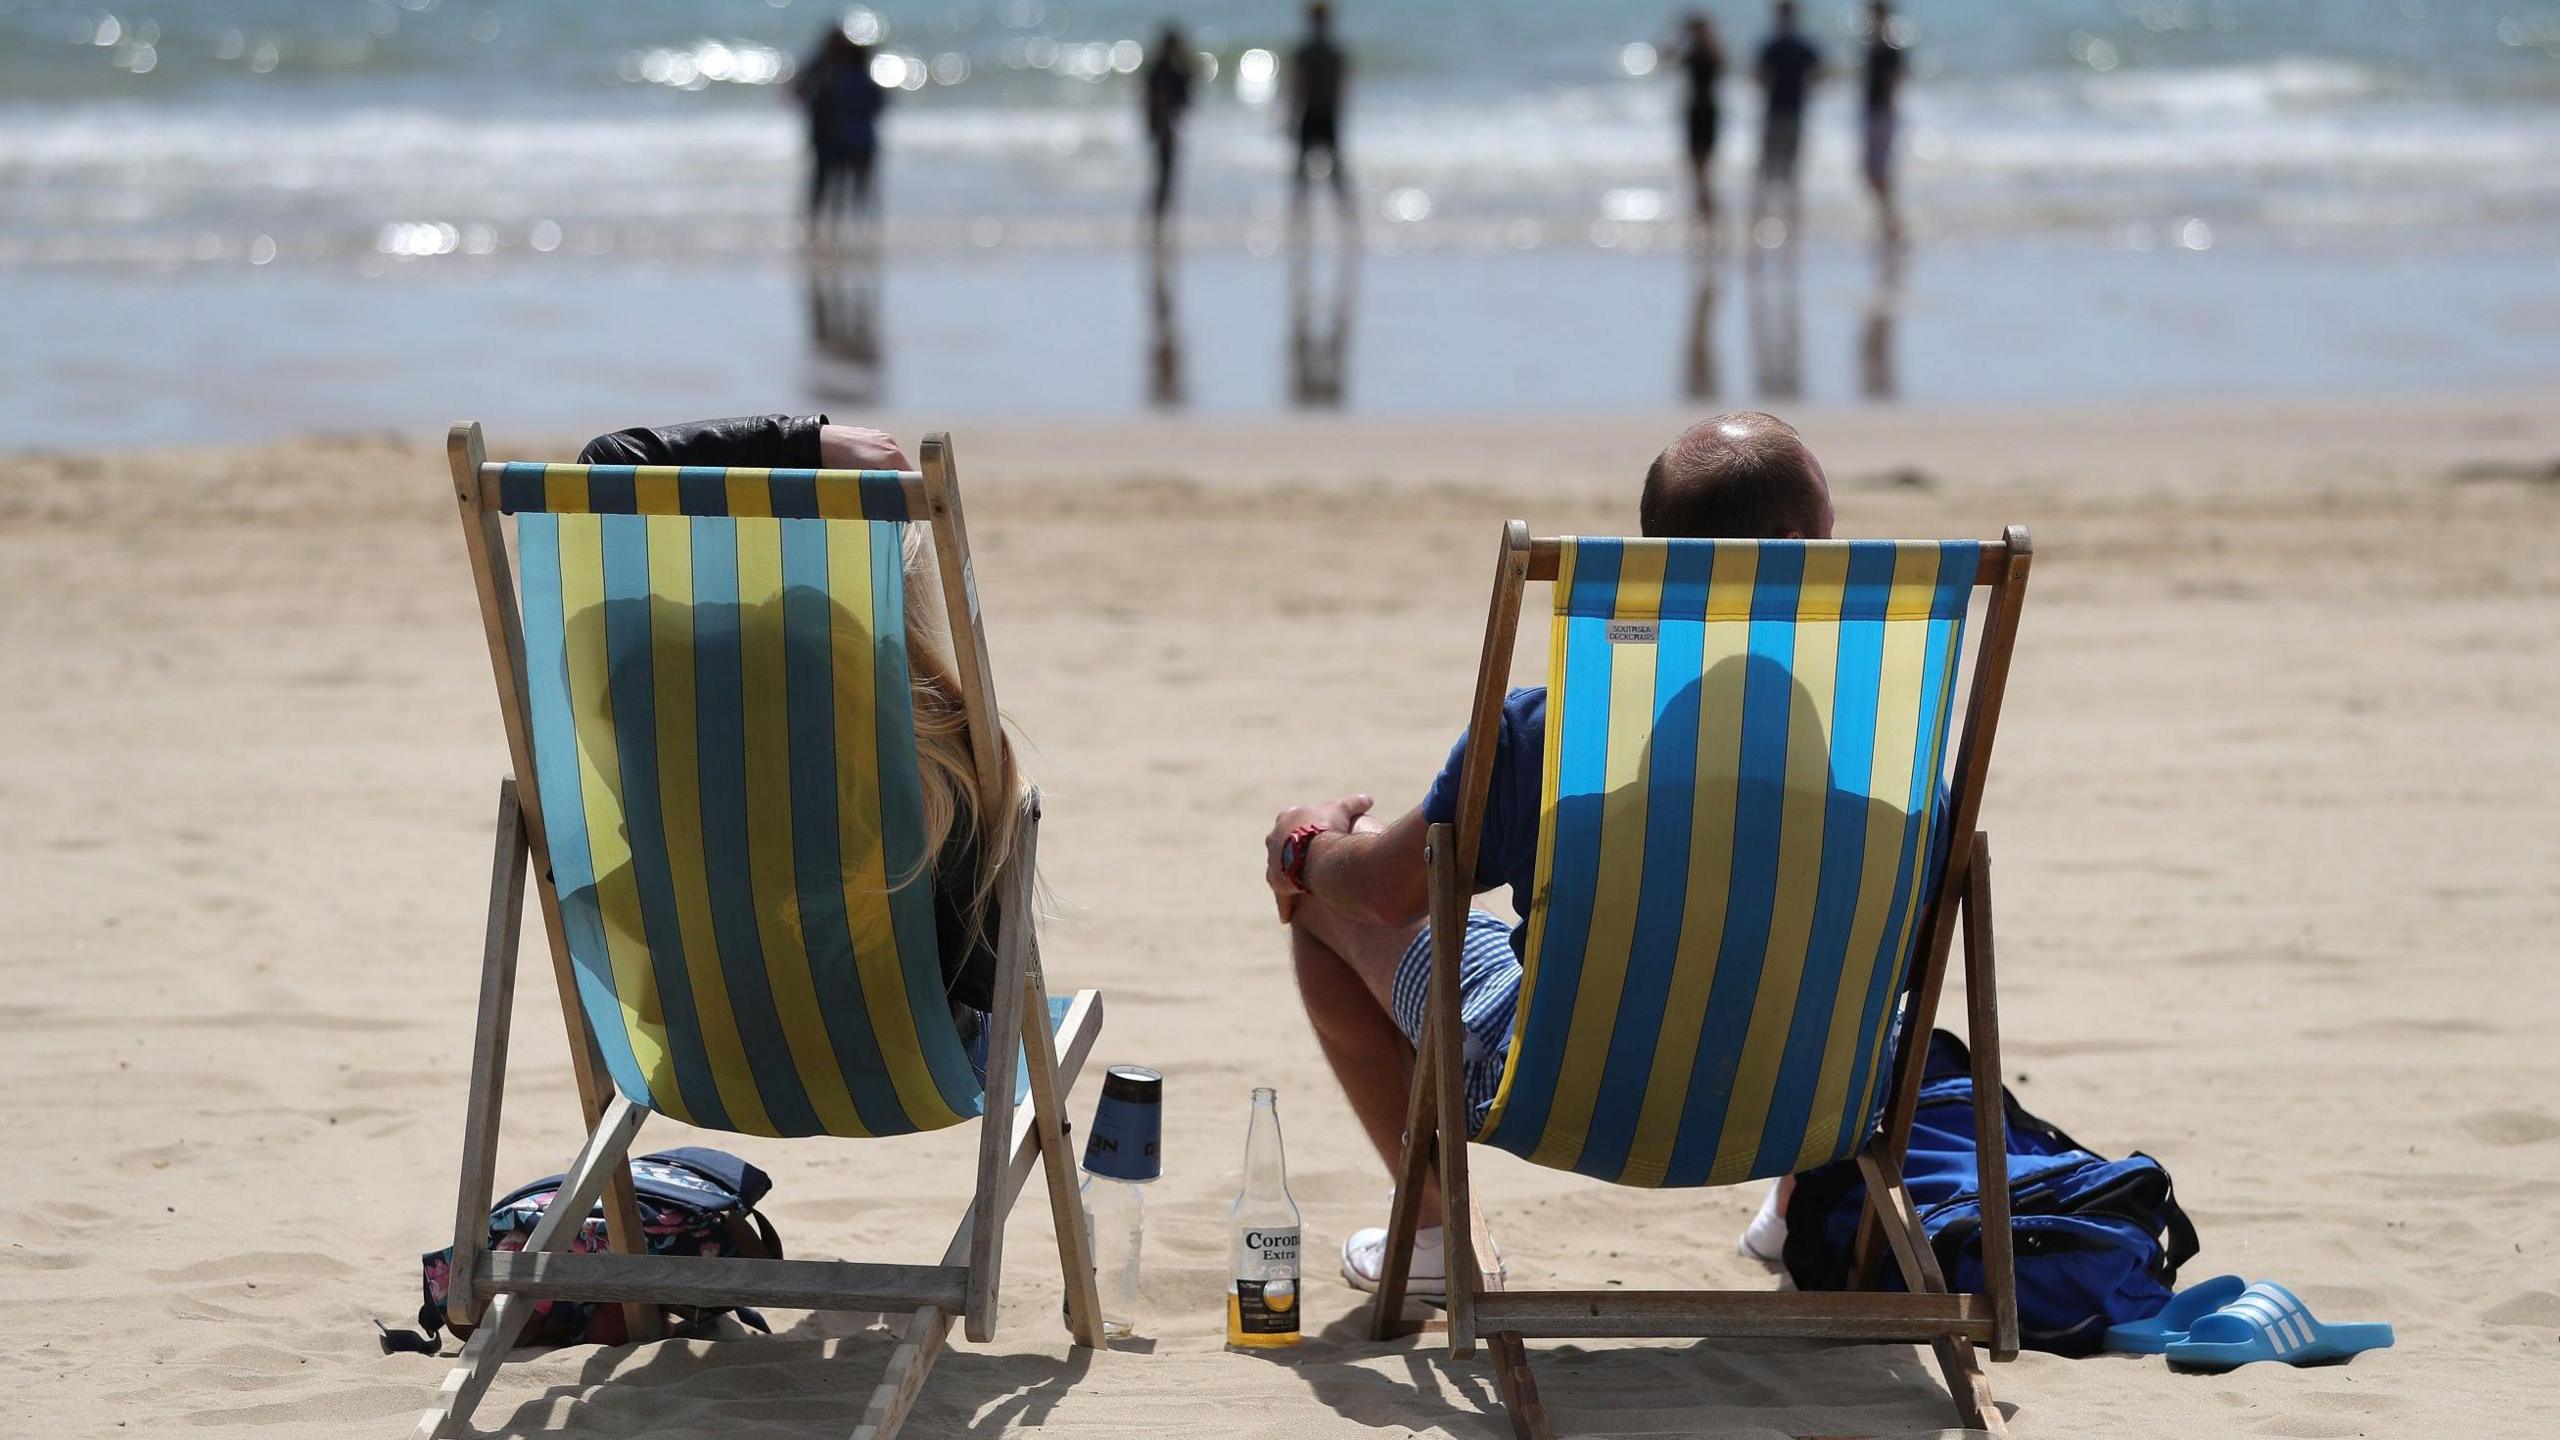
(1897, 1220)
(487, 1349)
(1513, 1380)
(1404, 1213)
(488, 1059)
(909, 1364)
(1004, 1027)
(1970, 1388)
(1990, 1117)
(641, 1324)
(1057, 1162)
(925, 1331)
(1449, 1098)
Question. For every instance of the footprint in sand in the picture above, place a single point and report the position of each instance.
(2511, 1127)
(2539, 1309)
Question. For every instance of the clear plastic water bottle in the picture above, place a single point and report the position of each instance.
(1121, 1156)
(1262, 1293)
(1115, 1215)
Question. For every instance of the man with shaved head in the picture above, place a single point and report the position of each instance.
(1352, 890)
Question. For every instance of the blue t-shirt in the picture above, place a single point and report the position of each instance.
(1508, 853)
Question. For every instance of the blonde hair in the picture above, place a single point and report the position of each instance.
(946, 760)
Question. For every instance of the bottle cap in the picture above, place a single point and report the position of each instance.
(1128, 1125)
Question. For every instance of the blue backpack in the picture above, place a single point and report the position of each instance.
(2098, 1241)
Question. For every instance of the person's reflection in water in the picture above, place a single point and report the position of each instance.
(1698, 373)
(1876, 379)
(1165, 387)
(1777, 321)
(1320, 334)
(846, 362)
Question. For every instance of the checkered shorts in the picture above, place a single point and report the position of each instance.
(1488, 994)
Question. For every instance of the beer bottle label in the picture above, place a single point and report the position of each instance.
(1266, 1307)
(1270, 1249)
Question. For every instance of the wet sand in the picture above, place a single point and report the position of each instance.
(1440, 321)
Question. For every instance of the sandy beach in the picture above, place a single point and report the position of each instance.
(2272, 812)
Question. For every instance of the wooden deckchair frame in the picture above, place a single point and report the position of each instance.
(493, 1290)
(1952, 1324)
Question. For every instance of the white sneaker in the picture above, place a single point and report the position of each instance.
(1364, 1260)
(1765, 1238)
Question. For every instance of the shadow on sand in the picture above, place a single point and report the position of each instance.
(1728, 1388)
(815, 1378)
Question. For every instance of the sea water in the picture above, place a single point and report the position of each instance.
(273, 169)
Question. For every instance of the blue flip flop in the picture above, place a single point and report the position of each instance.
(2268, 1323)
(2151, 1336)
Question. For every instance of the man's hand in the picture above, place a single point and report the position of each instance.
(1345, 814)
(851, 447)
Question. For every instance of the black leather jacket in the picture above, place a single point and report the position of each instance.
(787, 442)
(967, 942)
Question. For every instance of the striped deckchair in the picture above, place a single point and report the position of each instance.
(1744, 904)
(705, 686)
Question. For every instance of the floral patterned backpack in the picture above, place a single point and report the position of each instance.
(693, 1201)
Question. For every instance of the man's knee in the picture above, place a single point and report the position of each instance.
(1321, 970)
(1331, 987)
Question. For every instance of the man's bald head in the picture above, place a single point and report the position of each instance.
(1742, 476)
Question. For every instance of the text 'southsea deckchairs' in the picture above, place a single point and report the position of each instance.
(1745, 898)
(705, 686)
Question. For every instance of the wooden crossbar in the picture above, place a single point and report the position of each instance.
(698, 1280)
(1704, 1314)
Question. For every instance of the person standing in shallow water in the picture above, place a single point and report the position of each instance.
(1888, 56)
(1787, 68)
(843, 104)
(1165, 95)
(1702, 63)
(1318, 73)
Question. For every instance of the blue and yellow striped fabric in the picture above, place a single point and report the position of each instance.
(725, 759)
(527, 489)
(1744, 750)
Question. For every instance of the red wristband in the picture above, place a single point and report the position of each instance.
(1294, 850)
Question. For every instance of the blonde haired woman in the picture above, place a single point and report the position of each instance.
(968, 834)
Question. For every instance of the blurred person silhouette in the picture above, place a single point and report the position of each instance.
(1318, 74)
(1166, 388)
(1888, 58)
(1787, 69)
(1702, 65)
(1165, 94)
(847, 365)
(843, 103)
(1320, 337)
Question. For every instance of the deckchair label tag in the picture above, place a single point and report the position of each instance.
(1633, 632)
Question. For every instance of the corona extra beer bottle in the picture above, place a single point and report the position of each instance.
(1262, 1288)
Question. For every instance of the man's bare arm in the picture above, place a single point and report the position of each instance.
(1375, 875)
